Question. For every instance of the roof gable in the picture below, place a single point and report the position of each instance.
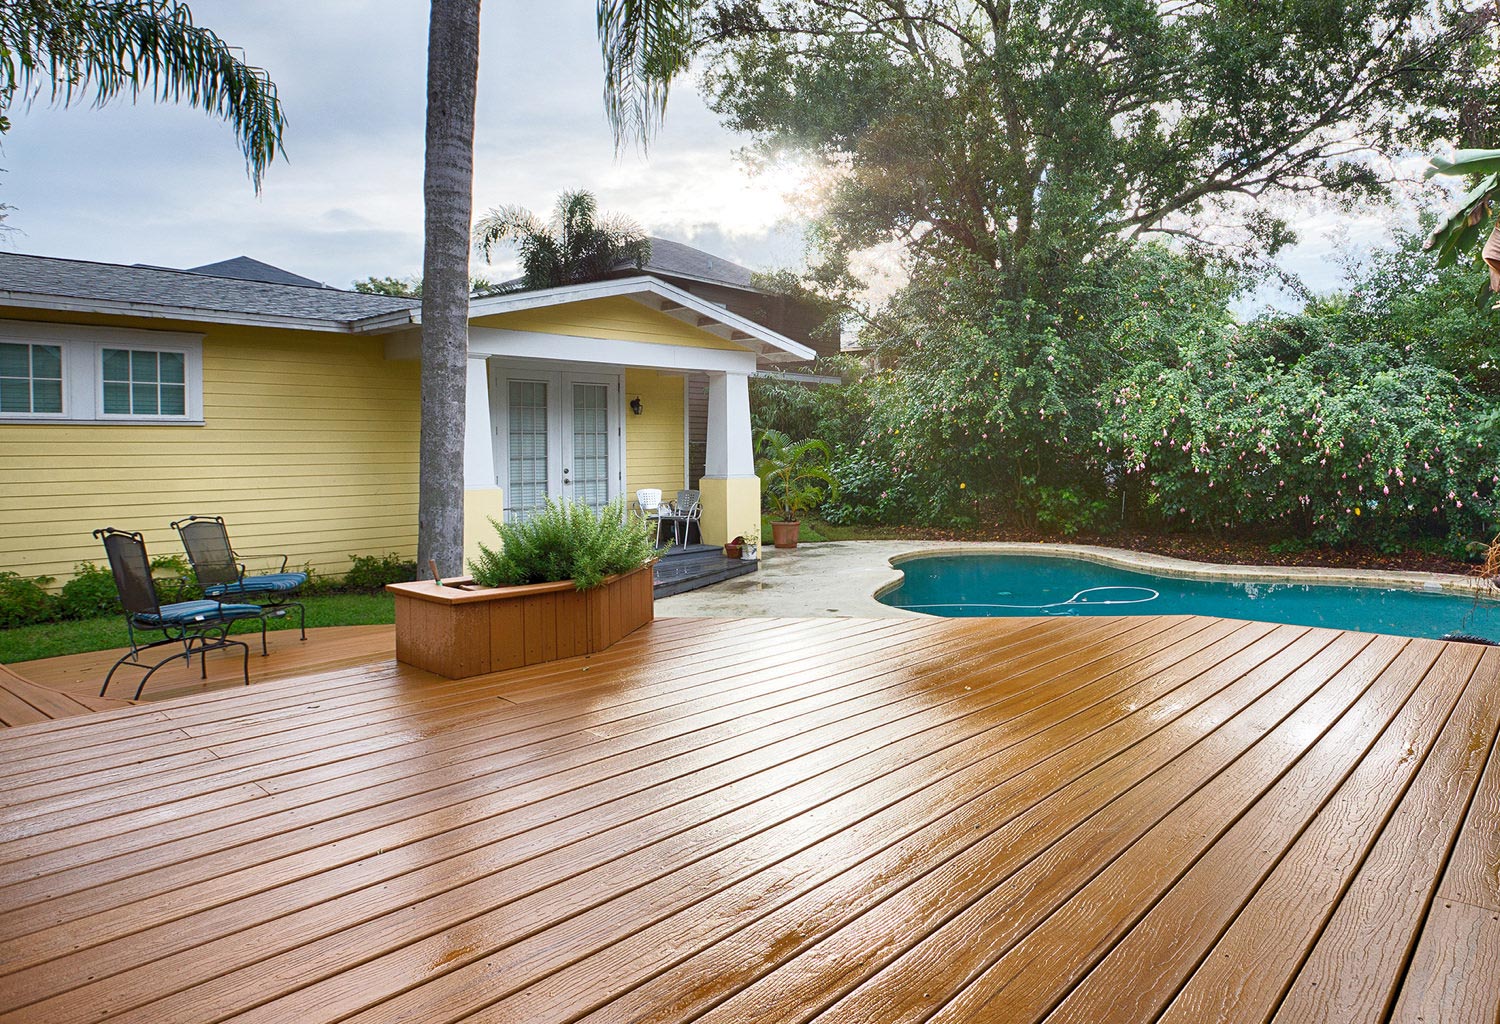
(677, 308)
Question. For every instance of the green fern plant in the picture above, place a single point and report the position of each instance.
(566, 540)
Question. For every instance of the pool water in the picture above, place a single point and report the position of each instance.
(1011, 585)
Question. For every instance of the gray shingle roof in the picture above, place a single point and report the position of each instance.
(673, 259)
(22, 276)
(244, 268)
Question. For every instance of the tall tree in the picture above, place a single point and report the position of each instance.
(100, 49)
(448, 199)
(1020, 139)
(645, 43)
(573, 246)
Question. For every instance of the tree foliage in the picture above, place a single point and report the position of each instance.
(101, 49)
(1368, 417)
(1028, 138)
(573, 246)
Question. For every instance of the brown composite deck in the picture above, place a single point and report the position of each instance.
(329, 647)
(1133, 819)
(26, 702)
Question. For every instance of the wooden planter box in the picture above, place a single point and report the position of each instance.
(460, 629)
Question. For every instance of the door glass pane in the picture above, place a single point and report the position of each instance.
(526, 408)
(591, 444)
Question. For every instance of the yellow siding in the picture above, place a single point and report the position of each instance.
(309, 447)
(618, 318)
(655, 448)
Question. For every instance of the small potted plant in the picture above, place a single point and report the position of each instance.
(795, 477)
(735, 548)
(751, 549)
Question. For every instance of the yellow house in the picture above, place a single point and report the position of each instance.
(132, 396)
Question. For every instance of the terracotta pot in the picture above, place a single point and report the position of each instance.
(460, 629)
(733, 550)
(784, 535)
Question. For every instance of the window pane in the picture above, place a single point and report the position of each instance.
(171, 367)
(46, 362)
(173, 400)
(116, 364)
(15, 395)
(46, 396)
(15, 360)
(143, 399)
(143, 366)
(117, 399)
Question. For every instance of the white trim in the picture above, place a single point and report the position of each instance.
(797, 378)
(568, 348)
(687, 438)
(83, 376)
(639, 288)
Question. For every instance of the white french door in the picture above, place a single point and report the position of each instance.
(558, 434)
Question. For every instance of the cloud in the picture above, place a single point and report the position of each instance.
(154, 183)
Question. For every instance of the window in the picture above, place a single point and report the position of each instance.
(71, 373)
(138, 382)
(30, 378)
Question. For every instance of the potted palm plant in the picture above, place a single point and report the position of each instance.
(565, 582)
(795, 477)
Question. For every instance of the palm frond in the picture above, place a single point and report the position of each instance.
(503, 224)
(645, 44)
(103, 48)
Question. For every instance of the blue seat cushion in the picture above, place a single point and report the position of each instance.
(188, 613)
(270, 583)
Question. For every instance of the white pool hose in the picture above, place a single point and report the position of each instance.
(1153, 595)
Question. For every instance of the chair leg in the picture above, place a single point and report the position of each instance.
(265, 651)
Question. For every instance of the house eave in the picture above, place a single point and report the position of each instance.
(194, 314)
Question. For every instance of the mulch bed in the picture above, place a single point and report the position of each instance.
(1210, 549)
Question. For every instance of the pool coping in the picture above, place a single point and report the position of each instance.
(1166, 565)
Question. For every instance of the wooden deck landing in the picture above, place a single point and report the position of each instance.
(330, 647)
(1090, 820)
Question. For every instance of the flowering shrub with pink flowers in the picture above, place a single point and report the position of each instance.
(1141, 400)
(1346, 442)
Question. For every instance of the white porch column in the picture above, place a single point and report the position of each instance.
(482, 493)
(731, 490)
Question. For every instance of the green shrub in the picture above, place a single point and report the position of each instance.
(25, 601)
(371, 573)
(565, 541)
(1069, 511)
(174, 579)
(90, 593)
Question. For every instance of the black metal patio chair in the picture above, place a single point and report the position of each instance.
(221, 574)
(194, 627)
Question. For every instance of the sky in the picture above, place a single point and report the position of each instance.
(166, 185)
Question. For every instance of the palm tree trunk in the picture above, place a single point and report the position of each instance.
(448, 195)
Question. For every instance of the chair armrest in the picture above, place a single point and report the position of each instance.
(257, 557)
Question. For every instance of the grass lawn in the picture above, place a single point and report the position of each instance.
(53, 638)
(815, 530)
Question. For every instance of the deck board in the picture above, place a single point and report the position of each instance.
(1122, 819)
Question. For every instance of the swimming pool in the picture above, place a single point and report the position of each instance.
(1013, 585)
